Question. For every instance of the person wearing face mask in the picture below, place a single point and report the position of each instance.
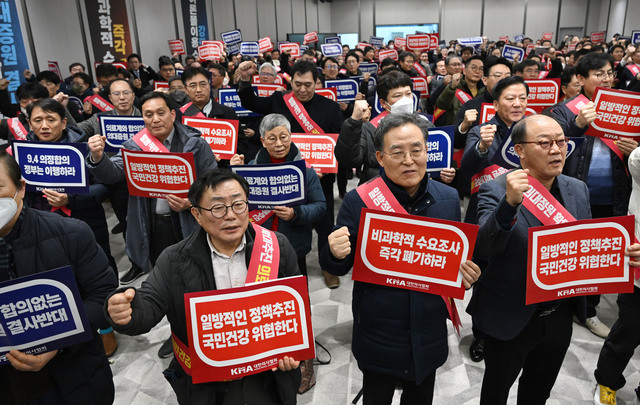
(33, 241)
(177, 91)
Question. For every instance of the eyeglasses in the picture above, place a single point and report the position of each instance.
(193, 86)
(331, 66)
(125, 93)
(536, 71)
(475, 68)
(546, 145)
(267, 74)
(220, 210)
(603, 75)
(274, 139)
(399, 155)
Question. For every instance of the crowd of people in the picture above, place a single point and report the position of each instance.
(204, 242)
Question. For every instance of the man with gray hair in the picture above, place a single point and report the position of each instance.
(399, 335)
(267, 73)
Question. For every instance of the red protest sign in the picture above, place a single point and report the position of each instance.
(571, 47)
(529, 49)
(579, 258)
(221, 135)
(217, 44)
(435, 41)
(362, 45)
(388, 53)
(577, 103)
(419, 42)
(265, 44)
(505, 39)
(318, 151)
(209, 52)
(488, 111)
(55, 68)
(154, 174)
(543, 93)
(331, 94)
(414, 253)
(294, 47)
(598, 36)
(618, 114)
(242, 331)
(311, 37)
(99, 102)
(546, 36)
(160, 85)
(177, 46)
(265, 90)
(400, 42)
(420, 85)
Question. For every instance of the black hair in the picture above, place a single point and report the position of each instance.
(473, 57)
(48, 76)
(31, 90)
(567, 75)
(211, 180)
(492, 61)
(164, 60)
(85, 77)
(391, 80)
(106, 70)
(593, 61)
(134, 55)
(329, 59)
(127, 75)
(367, 49)
(351, 53)
(302, 67)
(526, 63)
(189, 57)
(157, 94)
(120, 80)
(616, 46)
(13, 169)
(397, 120)
(467, 48)
(502, 85)
(192, 71)
(221, 69)
(47, 105)
(404, 55)
(387, 62)
(74, 64)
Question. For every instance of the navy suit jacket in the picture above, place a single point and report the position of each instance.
(498, 302)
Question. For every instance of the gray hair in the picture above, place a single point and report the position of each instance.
(272, 121)
(397, 120)
(267, 65)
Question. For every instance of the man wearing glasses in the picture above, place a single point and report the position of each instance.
(399, 335)
(216, 256)
(601, 165)
(528, 338)
(196, 82)
(468, 83)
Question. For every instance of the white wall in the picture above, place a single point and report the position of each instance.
(154, 20)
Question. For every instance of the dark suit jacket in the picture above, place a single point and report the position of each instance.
(498, 302)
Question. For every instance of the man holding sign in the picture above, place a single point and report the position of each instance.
(217, 256)
(528, 338)
(399, 335)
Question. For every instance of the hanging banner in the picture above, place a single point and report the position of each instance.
(109, 30)
(12, 48)
(194, 18)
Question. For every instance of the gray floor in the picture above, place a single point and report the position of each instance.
(138, 371)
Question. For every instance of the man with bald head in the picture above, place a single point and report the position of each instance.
(528, 338)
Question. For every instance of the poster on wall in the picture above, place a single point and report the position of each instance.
(13, 54)
(109, 30)
(194, 18)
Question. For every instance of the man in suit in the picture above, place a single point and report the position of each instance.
(531, 338)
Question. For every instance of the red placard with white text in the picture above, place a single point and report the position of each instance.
(216, 43)
(265, 44)
(311, 37)
(177, 46)
(419, 42)
(243, 331)
(99, 102)
(543, 93)
(435, 42)
(160, 85)
(547, 36)
(400, 42)
(255, 79)
(413, 253)
(488, 111)
(362, 45)
(209, 52)
(579, 258)
(156, 174)
(55, 68)
(598, 37)
(221, 135)
(318, 151)
(388, 53)
(331, 94)
(420, 85)
(618, 114)
(294, 47)
(265, 90)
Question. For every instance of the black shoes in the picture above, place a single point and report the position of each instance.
(133, 273)
(166, 350)
(476, 350)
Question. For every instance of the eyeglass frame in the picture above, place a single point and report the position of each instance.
(226, 208)
(399, 156)
(550, 142)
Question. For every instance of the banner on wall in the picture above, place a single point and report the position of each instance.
(109, 30)
(13, 54)
(194, 18)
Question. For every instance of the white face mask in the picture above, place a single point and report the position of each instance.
(405, 105)
(8, 209)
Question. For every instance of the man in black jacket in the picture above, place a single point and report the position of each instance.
(198, 87)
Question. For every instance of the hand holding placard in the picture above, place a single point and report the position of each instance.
(96, 147)
(633, 252)
(339, 243)
(586, 115)
(626, 145)
(286, 364)
(470, 273)
(517, 185)
(487, 133)
(30, 362)
(119, 306)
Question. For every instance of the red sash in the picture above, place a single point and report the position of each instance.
(376, 121)
(17, 129)
(301, 115)
(389, 203)
(418, 67)
(148, 142)
(186, 107)
(259, 217)
(462, 96)
(633, 68)
(485, 175)
(437, 113)
(263, 266)
(100, 103)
